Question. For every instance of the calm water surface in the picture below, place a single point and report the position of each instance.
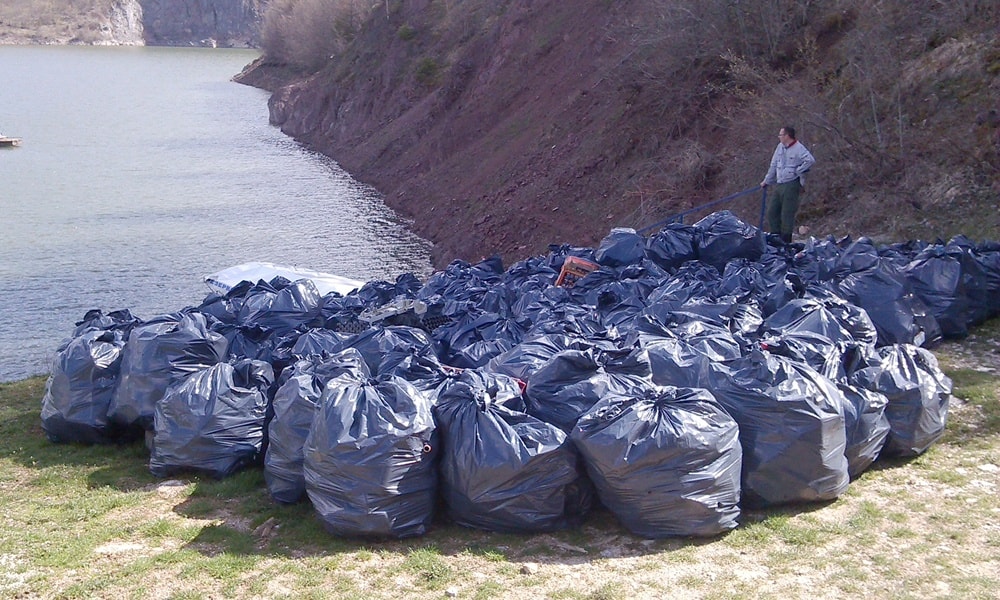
(144, 169)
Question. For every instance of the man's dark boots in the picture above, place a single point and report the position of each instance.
(787, 238)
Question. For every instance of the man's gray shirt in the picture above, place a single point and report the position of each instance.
(789, 163)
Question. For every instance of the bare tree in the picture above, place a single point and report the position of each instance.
(307, 33)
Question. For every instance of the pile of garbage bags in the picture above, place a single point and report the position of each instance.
(691, 374)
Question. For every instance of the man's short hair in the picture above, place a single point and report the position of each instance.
(790, 131)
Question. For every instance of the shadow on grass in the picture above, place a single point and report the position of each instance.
(294, 531)
(885, 463)
(255, 525)
(980, 415)
(23, 441)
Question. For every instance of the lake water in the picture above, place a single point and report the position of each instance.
(144, 169)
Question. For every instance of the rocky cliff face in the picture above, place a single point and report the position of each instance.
(225, 23)
(125, 23)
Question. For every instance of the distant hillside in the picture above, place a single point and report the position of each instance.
(229, 23)
(504, 125)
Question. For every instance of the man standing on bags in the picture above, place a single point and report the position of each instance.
(789, 164)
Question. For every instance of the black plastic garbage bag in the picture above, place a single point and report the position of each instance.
(289, 347)
(569, 319)
(225, 308)
(376, 292)
(502, 469)
(316, 342)
(418, 366)
(807, 315)
(781, 291)
(918, 393)
(117, 320)
(622, 246)
(529, 275)
(725, 237)
(569, 383)
(341, 313)
(463, 281)
(376, 342)
(813, 349)
(805, 330)
(673, 245)
(558, 253)
(282, 309)
(741, 320)
(662, 315)
(666, 461)
(851, 318)
(472, 341)
(79, 390)
(935, 276)
(867, 427)
(523, 360)
(213, 421)
(743, 279)
(899, 316)
(159, 353)
(776, 263)
(692, 280)
(619, 310)
(371, 458)
(712, 339)
(294, 407)
(855, 256)
(534, 303)
(987, 255)
(792, 430)
(676, 362)
(608, 289)
(565, 387)
(979, 289)
(745, 323)
(498, 299)
(902, 253)
(831, 260)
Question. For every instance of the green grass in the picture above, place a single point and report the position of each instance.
(429, 567)
(428, 71)
(92, 522)
(406, 32)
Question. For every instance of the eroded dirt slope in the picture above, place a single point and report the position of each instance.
(502, 127)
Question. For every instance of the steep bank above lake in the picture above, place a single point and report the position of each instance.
(223, 23)
(505, 126)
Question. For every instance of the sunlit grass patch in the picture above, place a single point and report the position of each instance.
(608, 591)
(488, 590)
(867, 515)
(750, 536)
(429, 567)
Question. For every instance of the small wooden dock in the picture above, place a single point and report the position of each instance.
(9, 142)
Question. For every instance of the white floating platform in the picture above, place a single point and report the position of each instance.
(227, 279)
